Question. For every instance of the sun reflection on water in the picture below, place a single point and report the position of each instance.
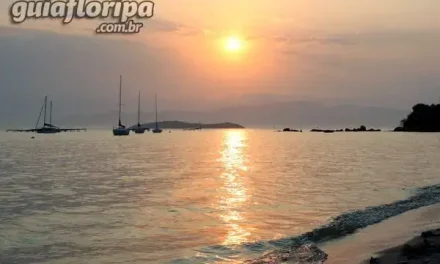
(234, 193)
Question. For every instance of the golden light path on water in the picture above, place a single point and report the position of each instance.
(193, 197)
(233, 192)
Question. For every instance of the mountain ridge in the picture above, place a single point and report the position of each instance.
(187, 125)
(301, 114)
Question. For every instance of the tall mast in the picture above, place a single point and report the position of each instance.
(120, 98)
(39, 116)
(50, 114)
(139, 109)
(45, 107)
(156, 110)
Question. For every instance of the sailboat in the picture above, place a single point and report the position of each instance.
(121, 130)
(47, 128)
(139, 129)
(157, 130)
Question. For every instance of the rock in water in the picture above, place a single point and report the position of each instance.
(374, 260)
(304, 254)
(431, 233)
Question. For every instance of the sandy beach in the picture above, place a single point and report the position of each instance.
(409, 238)
(386, 239)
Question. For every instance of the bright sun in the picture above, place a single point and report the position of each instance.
(234, 43)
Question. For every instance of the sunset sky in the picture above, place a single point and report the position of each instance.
(372, 53)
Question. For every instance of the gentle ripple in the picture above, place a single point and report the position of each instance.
(192, 197)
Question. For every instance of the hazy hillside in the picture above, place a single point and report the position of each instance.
(186, 125)
(292, 114)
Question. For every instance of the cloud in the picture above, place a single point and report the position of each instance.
(81, 72)
(326, 40)
(303, 38)
(157, 24)
(373, 42)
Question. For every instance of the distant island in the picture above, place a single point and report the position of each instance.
(359, 129)
(192, 126)
(423, 118)
(290, 130)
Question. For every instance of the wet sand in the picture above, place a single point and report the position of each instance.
(409, 238)
(386, 240)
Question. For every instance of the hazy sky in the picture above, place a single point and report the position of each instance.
(369, 52)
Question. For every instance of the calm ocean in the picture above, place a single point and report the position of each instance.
(194, 197)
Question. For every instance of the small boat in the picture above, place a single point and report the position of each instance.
(48, 128)
(121, 130)
(139, 129)
(157, 130)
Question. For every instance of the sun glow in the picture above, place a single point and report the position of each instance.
(233, 44)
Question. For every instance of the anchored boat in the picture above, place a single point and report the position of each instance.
(156, 130)
(121, 130)
(47, 128)
(139, 129)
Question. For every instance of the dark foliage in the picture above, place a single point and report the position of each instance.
(423, 118)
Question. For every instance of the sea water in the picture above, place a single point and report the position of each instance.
(201, 196)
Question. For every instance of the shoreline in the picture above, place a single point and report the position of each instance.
(424, 248)
(385, 241)
(392, 241)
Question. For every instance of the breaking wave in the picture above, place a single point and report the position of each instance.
(340, 226)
